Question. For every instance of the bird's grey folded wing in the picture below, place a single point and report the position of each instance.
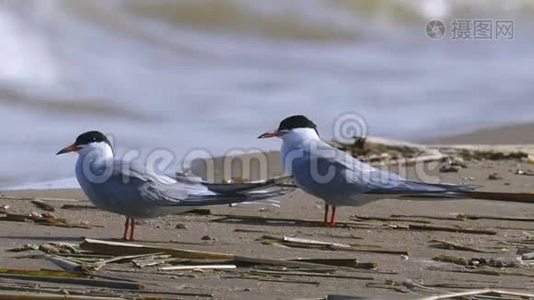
(360, 176)
(368, 179)
(165, 196)
(383, 182)
(165, 191)
(153, 187)
(135, 171)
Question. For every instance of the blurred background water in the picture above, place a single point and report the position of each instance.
(216, 73)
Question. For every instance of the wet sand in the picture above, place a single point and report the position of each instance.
(241, 237)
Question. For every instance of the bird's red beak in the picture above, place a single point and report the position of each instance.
(270, 134)
(71, 148)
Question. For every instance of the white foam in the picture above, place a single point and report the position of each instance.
(24, 54)
(66, 183)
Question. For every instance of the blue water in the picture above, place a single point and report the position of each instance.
(214, 75)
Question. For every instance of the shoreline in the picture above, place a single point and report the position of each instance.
(516, 134)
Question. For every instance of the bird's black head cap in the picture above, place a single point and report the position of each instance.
(297, 121)
(91, 137)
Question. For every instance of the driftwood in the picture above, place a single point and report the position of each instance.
(404, 287)
(44, 219)
(184, 261)
(315, 244)
(419, 227)
(84, 294)
(309, 274)
(301, 241)
(491, 152)
(263, 220)
(61, 248)
(462, 261)
(78, 206)
(269, 278)
(249, 230)
(414, 286)
(473, 285)
(496, 272)
(342, 262)
(388, 286)
(106, 247)
(456, 246)
(380, 151)
(527, 256)
(498, 196)
(45, 273)
(95, 266)
(76, 280)
(230, 218)
(152, 260)
(43, 205)
(478, 261)
(63, 263)
(463, 217)
(449, 229)
(488, 292)
(198, 211)
(44, 296)
(466, 151)
(198, 267)
(277, 262)
(115, 248)
(26, 247)
(40, 290)
(386, 219)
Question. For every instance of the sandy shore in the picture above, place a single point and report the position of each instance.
(511, 134)
(241, 236)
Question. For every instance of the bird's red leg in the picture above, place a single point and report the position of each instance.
(126, 224)
(132, 227)
(333, 217)
(326, 206)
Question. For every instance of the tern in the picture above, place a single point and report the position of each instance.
(340, 179)
(127, 188)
